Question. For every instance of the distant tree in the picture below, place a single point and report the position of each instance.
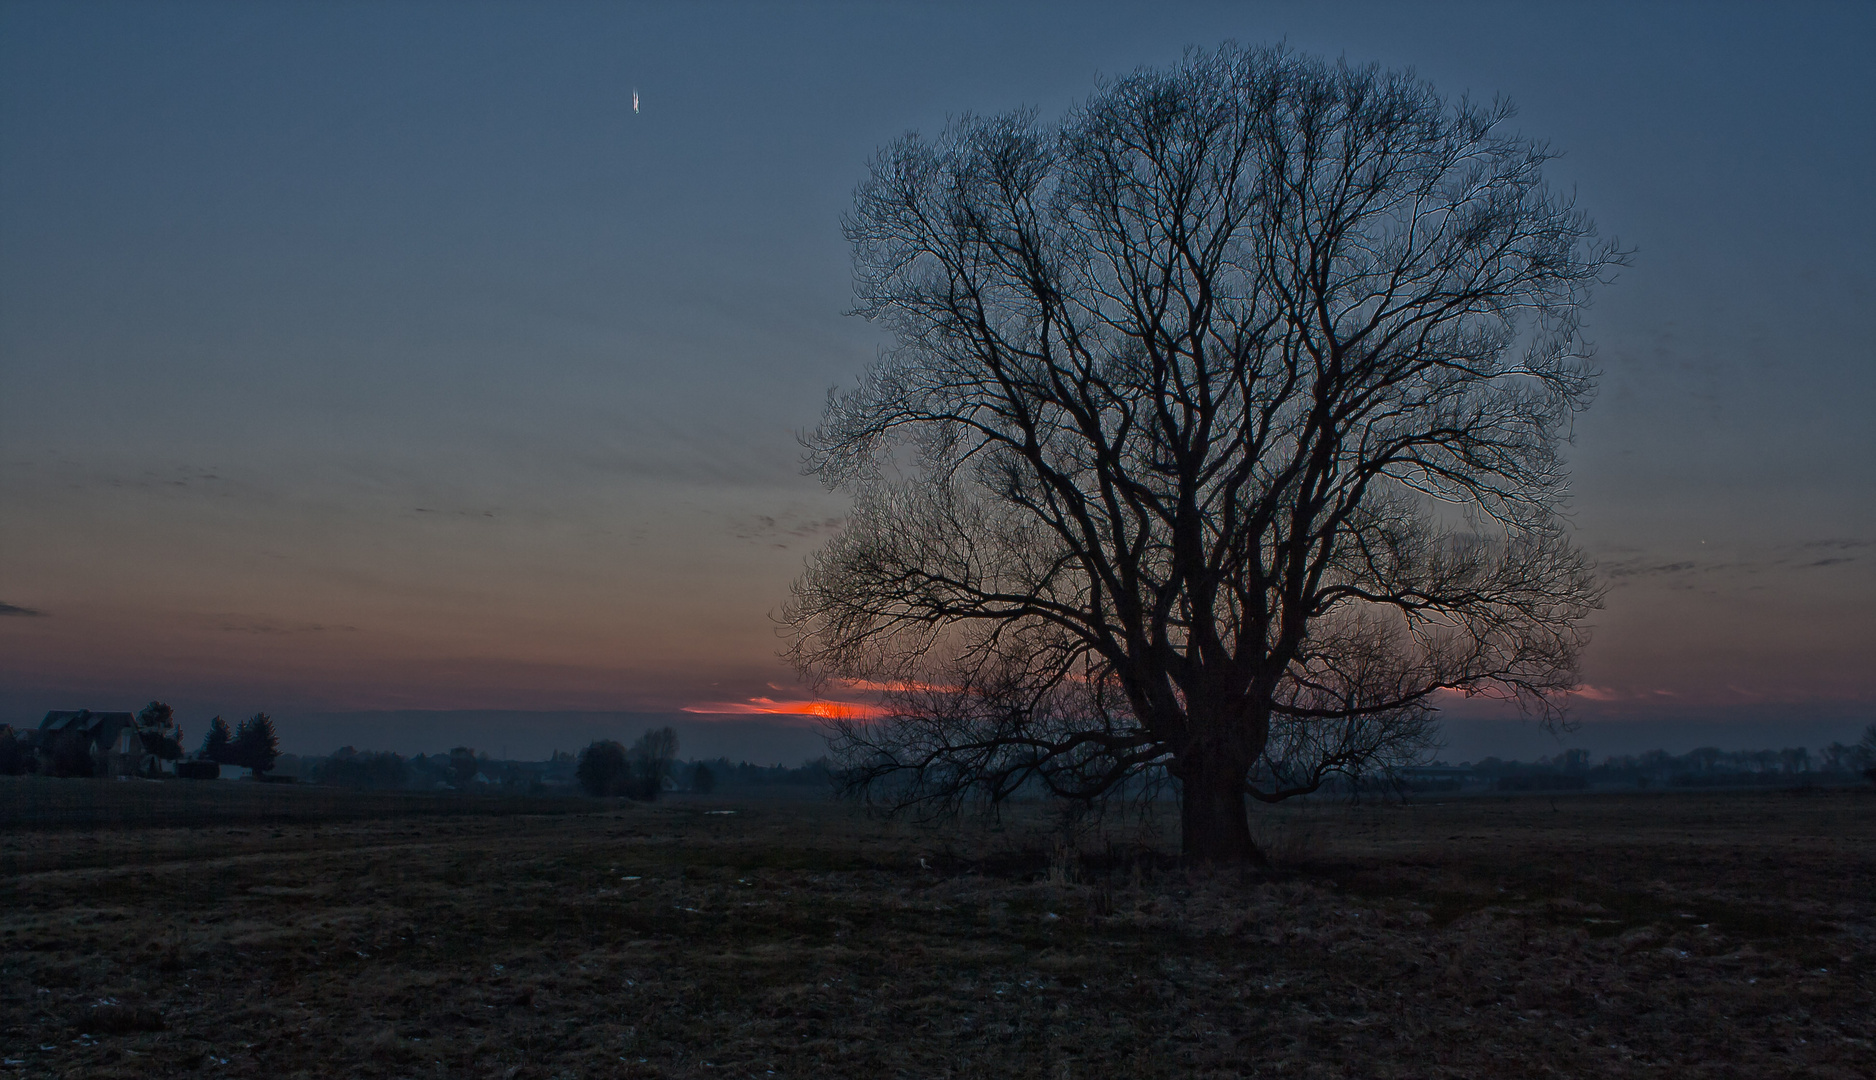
(653, 757)
(702, 780)
(156, 716)
(463, 766)
(160, 735)
(1572, 760)
(1866, 751)
(255, 745)
(216, 743)
(369, 771)
(603, 769)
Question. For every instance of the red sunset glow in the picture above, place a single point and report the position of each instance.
(761, 706)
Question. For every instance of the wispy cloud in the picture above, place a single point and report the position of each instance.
(778, 530)
(1810, 555)
(1640, 568)
(15, 609)
(242, 624)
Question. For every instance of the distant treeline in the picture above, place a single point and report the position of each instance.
(1707, 766)
(466, 769)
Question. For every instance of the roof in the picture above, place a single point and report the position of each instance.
(84, 719)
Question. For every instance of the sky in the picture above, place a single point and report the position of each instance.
(363, 362)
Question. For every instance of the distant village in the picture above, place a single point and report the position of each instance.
(149, 744)
(145, 744)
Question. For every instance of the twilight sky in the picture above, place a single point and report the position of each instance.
(369, 357)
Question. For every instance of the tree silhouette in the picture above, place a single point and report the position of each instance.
(653, 757)
(255, 746)
(603, 769)
(1218, 440)
(215, 744)
(372, 771)
(463, 766)
(158, 732)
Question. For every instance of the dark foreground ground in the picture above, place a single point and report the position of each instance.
(1666, 935)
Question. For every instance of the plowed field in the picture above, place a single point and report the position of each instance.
(1657, 935)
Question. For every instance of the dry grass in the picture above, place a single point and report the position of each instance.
(1647, 935)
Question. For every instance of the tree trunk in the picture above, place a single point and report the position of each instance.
(1212, 820)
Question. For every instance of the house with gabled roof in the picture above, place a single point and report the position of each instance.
(109, 737)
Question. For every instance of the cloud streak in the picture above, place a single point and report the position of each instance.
(15, 609)
(1811, 555)
(240, 624)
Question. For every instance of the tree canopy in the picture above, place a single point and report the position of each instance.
(1218, 438)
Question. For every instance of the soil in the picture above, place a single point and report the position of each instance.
(216, 931)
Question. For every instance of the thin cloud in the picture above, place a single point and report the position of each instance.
(1811, 555)
(15, 609)
(1844, 544)
(238, 624)
(1636, 568)
(778, 530)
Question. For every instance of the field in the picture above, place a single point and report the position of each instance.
(168, 930)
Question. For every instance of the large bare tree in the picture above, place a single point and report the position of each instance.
(1219, 438)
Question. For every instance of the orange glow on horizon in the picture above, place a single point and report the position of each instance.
(761, 706)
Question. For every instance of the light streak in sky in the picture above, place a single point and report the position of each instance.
(761, 706)
(635, 99)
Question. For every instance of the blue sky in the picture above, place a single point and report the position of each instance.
(381, 357)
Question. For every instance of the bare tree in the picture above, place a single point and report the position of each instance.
(1219, 437)
(653, 759)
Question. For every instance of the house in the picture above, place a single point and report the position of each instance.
(109, 738)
